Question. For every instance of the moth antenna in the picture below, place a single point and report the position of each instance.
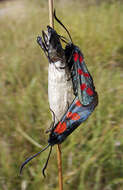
(30, 158)
(45, 166)
(62, 25)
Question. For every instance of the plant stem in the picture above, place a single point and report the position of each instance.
(59, 158)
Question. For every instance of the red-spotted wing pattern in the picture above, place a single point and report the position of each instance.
(82, 80)
(75, 115)
(86, 89)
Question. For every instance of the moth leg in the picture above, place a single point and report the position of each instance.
(41, 43)
(43, 46)
(68, 105)
(50, 128)
(45, 38)
(69, 78)
(54, 116)
(70, 57)
(63, 67)
(53, 123)
(60, 67)
(72, 75)
(56, 67)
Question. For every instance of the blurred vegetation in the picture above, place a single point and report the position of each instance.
(93, 154)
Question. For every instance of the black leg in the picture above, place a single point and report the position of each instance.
(43, 46)
(52, 125)
(40, 42)
(68, 105)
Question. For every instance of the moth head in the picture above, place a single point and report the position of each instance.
(52, 138)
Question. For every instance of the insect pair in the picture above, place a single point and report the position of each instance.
(86, 98)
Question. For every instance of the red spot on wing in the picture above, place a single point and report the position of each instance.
(86, 75)
(89, 91)
(76, 56)
(83, 86)
(73, 116)
(69, 114)
(80, 72)
(80, 59)
(78, 103)
(61, 127)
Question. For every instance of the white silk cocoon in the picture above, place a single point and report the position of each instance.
(60, 90)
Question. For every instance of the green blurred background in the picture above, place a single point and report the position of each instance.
(93, 154)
